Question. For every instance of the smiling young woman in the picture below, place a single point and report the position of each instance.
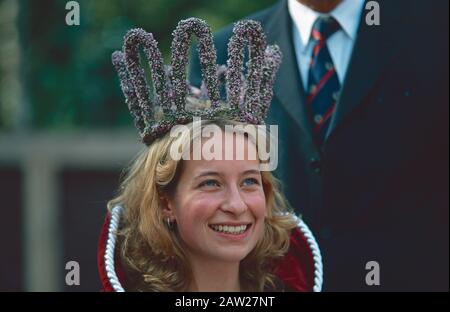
(203, 223)
(206, 225)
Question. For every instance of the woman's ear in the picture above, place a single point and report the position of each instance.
(167, 208)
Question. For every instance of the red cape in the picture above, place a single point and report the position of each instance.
(300, 269)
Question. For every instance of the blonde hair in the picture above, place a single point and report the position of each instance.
(152, 253)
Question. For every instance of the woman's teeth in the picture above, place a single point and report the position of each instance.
(228, 229)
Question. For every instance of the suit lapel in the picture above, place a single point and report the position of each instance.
(288, 85)
(373, 50)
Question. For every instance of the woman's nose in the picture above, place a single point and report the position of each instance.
(234, 202)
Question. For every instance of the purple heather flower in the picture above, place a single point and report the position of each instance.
(133, 40)
(118, 60)
(244, 32)
(207, 53)
(248, 97)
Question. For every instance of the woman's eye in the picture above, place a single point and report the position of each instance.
(209, 183)
(250, 182)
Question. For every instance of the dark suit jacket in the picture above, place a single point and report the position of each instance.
(377, 189)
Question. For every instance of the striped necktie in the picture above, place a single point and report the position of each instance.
(323, 82)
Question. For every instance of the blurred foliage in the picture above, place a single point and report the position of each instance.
(68, 76)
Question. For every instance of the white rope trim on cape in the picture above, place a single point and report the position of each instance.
(317, 256)
(111, 243)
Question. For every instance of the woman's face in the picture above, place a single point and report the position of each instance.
(219, 205)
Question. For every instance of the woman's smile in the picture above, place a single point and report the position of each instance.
(237, 231)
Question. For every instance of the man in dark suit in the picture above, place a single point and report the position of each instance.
(363, 135)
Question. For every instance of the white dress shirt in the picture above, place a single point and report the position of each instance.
(340, 44)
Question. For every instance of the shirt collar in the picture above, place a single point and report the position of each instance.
(347, 13)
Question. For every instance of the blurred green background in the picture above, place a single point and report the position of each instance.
(66, 76)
